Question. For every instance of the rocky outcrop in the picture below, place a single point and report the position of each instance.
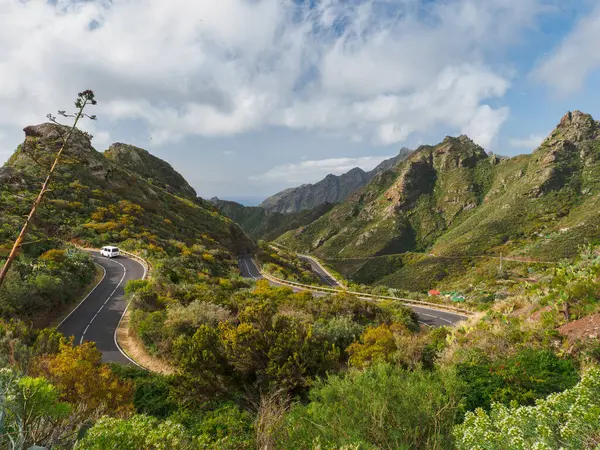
(572, 146)
(158, 172)
(391, 162)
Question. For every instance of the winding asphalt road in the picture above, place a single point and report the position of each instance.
(96, 318)
(323, 276)
(427, 316)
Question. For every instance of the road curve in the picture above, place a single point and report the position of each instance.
(96, 318)
(427, 316)
(325, 278)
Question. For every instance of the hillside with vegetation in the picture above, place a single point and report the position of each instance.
(259, 224)
(95, 202)
(152, 169)
(455, 200)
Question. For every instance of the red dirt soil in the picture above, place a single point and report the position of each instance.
(582, 329)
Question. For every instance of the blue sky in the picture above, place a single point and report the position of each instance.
(247, 97)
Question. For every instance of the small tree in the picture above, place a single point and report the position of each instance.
(83, 99)
(573, 284)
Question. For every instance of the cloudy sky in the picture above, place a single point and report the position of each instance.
(246, 97)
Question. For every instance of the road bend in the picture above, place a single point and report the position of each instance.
(97, 316)
(427, 316)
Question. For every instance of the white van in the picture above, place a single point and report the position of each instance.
(110, 251)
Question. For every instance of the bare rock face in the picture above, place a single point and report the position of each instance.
(43, 141)
(332, 189)
(571, 146)
(53, 134)
(577, 126)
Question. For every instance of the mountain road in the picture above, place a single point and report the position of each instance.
(97, 317)
(427, 316)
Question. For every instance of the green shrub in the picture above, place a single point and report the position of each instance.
(153, 393)
(149, 326)
(381, 407)
(529, 375)
(226, 427)
(568, 420)
(138, 432)
(341, 331)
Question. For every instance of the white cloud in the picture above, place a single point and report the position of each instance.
(315, 170)
(528, 143)
(485, 125)
(218, 68)
(567, 67)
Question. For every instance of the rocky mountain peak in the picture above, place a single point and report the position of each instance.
(454, 152)
(43, 141)
(331, 189)
(154, 169)
(50, 131)
(578, 126)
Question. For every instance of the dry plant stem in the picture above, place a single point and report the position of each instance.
(38, 200)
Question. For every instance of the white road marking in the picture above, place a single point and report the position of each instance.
(104, 304)
(248, 268)
(445, 320)
(86, 297)
(429, 315)
(119, 325)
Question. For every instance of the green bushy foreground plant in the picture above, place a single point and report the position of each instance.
(525, 377)
(567, 420)
(43, 281)
(383, 406)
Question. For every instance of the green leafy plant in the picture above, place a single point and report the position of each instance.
(568, 420)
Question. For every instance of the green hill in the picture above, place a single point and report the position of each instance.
(152, 169)
(97, 198)
(454, 199)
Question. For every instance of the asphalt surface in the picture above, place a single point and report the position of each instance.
(325, 279)
(427, 316)
(97, 317)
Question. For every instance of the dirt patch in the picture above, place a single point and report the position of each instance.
(132, 346)
(582, 329)
(538, 314)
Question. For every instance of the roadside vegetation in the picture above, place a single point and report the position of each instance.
(285, 264)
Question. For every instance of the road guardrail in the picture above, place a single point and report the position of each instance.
(142, 261)
(313, 259)
(409, 301)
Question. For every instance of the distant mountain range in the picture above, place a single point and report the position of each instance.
(332, 189)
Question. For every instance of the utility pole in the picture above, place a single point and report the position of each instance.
(83, 99)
